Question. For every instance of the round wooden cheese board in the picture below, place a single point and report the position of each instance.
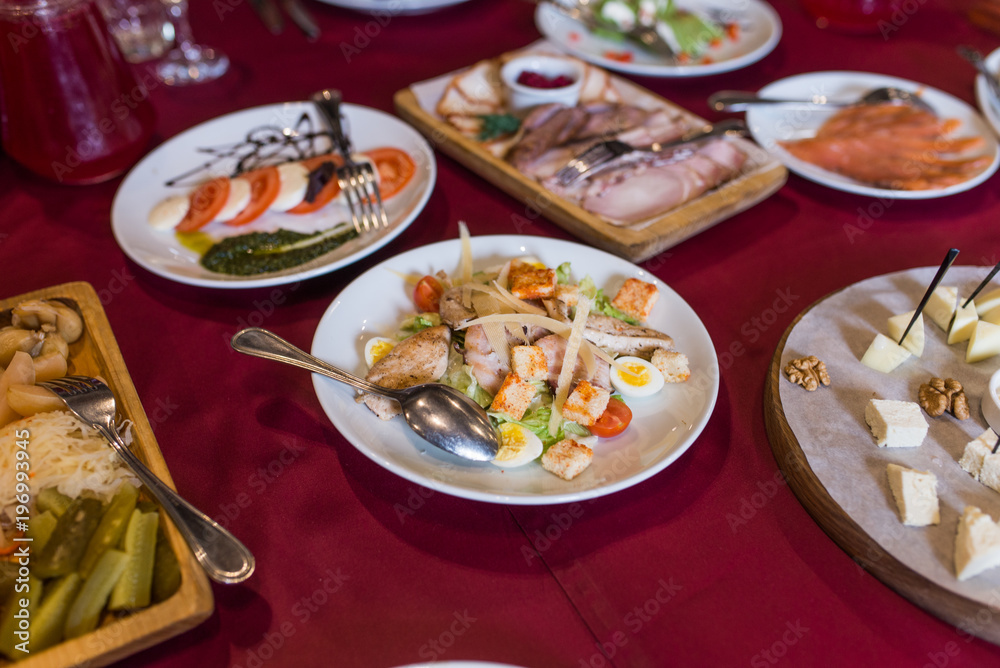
(973, 612)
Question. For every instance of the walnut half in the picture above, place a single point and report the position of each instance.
(808, 372)
(939, 395)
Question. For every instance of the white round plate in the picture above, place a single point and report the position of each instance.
(760, 31)
(990, 109)
(393, 7)
(769, 125)
(663, 426)
(162, 253)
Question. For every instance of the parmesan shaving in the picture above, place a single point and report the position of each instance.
(519, 305)
(573, 343)
(63, 453)
(589, 350)
(465, 261)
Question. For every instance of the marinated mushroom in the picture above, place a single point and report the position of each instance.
(45, 315)
(14, 339)
(54, 343)
(30, 399)
(49, 366)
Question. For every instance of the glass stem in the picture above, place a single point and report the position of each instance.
(182, 27)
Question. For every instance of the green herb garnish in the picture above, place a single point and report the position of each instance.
(497, 125)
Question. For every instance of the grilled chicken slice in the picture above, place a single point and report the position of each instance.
(421, 358)
(617, 336)
(451, 309)
(554, 347)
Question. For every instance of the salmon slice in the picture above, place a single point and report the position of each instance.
(892, 146)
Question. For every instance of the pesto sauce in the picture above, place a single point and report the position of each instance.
(265, 252)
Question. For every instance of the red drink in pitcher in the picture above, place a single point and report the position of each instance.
(70, 109)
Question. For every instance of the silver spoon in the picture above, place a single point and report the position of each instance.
(437, 413)
(732, 100)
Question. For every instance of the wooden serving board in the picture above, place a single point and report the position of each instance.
(970, 617)
(97, 354)
(632, 243)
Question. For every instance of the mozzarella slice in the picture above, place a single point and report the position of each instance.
(169, 213)
(294, 178)
(239, 197)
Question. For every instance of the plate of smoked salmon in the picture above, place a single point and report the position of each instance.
(664, 422)
(893, 151)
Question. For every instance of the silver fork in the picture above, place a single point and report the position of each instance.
(224, 558)
(606, 151)
(356, 179)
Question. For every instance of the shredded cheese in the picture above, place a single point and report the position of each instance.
(573, 343)
(63, 453)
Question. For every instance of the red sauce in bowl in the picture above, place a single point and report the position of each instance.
(539, 80)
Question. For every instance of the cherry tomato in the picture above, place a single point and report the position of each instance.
(427, 294)
(206, 202)
(613, 421)
(328, 192)
(264, 186)
(395, 169)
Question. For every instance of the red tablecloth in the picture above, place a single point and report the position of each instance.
(657, 574)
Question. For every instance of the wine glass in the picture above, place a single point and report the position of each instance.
(188, 62)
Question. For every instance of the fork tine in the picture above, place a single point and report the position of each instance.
(375, 197)
(596, 155)
(344, 179)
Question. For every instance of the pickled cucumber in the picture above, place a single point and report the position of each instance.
(52, 500)
(65, 548)
(40, 530)
(15, 624)
(134, 586)
(166, 569)
(48, 623)
(111, 528)
(85, 611)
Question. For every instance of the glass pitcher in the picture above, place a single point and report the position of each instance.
(70, 108)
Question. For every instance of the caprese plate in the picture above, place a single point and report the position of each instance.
(663, 426)
(270, 134)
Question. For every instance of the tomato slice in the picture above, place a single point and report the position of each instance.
(395, 169)
(427, 294)
(328, 192)
(264, 185)
(613, 421)
(206, 202)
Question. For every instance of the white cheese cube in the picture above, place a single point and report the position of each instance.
(884, 354)
(916, 495)
(988, 302)
(989, 475)
(992, 316)
(941, 306)
(914, 341)
(984, 342)
(896, 424)
(977, 544)
(976, 451)
(963, 324)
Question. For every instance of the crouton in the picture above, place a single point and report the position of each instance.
(529, 363)
(636, 298)
(672, 364)
(585, 404)
(531, 283)
(513, 397)
(567, 458)
(567, 294)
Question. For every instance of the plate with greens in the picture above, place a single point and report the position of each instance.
(283, 244)
(663, 425)
(710, 37)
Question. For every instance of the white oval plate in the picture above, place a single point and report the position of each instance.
(663, 426)
(161, 253)
(394, 7)
(991, 110)
(760, 31)
(770, 125)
